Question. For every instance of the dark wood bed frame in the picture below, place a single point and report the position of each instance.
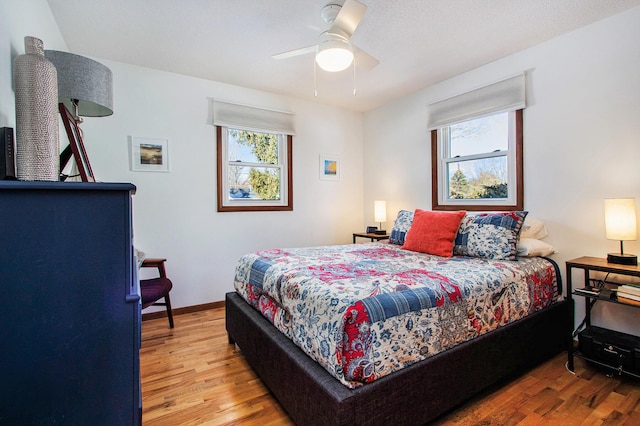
(414, 395)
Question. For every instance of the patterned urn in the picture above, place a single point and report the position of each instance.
(37, 140)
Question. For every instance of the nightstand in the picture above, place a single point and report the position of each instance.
(607, 348)
(374, 237)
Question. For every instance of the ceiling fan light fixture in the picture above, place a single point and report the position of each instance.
(334, 55)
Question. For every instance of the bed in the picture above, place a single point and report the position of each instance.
(384, 333)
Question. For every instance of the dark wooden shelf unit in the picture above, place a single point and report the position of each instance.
(589, 264)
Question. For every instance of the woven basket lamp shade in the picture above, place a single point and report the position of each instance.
(84, 85)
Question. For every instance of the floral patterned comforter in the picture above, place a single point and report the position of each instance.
(363, 311)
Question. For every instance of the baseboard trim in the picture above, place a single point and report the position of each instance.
(184, 310)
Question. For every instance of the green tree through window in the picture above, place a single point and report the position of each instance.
(254, 170)
(477, 163)
(264, 146)
(459, 187)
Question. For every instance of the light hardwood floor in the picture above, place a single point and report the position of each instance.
(191, 376)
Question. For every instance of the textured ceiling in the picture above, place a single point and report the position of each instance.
(418, 42)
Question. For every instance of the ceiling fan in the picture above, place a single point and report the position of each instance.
(334, 51)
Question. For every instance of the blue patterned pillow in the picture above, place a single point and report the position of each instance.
(401, 227)
(490, 235)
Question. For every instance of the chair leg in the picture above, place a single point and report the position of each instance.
(167, 302)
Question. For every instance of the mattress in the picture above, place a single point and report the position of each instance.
(363, 311)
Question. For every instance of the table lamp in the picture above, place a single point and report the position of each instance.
(85, 89)
(380, 215)
(620, 224)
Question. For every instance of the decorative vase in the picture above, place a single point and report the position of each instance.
(37, 141)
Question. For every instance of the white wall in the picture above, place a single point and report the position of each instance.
(581, 140)
(582, 144)
(18, 19)
(175, 213)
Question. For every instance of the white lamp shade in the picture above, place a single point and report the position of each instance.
(620, 219)
(380, 211)
(334, 55)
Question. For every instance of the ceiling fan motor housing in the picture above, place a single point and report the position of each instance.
(334, 51)
(330, 12)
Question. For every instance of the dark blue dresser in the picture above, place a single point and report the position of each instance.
(70, 305)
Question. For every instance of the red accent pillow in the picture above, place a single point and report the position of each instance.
(433, 232)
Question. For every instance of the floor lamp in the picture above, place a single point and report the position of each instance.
(85, 89)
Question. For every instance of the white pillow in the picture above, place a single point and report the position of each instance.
(533, 247)
(533, 228)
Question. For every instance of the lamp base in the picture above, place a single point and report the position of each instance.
(380, 232)
(622, 258)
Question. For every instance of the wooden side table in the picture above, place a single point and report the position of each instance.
(371, 235)
(590, 264)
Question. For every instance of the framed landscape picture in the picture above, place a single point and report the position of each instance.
(149, 155)
(329, 167)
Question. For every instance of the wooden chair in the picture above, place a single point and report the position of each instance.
(154, 289)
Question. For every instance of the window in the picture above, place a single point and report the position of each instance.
(254, 170)
(476, 148)
(477, 164)
(254, 157)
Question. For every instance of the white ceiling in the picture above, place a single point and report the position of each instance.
(418, 42)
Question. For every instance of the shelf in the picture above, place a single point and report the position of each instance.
(608, 348)
(601, 264)
(371, 235)
(604, 347)
(620, 371)
(612, 299)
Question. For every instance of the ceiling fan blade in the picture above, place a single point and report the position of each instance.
(364, 60)
(348, 18)
(296, 52)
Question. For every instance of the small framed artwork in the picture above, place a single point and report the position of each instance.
(329, 167)
(149, 155)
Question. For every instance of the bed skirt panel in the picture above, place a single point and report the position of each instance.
(414, 395)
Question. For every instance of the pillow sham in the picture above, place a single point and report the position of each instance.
(401, 227)
(433, 232)
(533, 228)
(490, 235)
(532, 247)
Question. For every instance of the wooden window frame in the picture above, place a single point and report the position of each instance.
(435, 184)
(253, 208)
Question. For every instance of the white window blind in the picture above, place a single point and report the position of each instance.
(236, 116)
(505, 95)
